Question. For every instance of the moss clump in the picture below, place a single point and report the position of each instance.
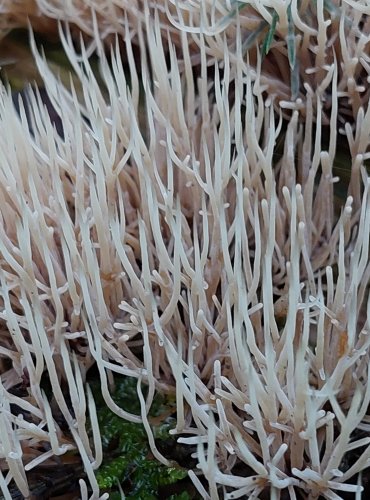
(128, 460)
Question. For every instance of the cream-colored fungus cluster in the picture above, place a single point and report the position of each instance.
(162, 219)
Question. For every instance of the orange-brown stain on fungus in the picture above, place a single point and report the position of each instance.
(108, 277)
(342, 344)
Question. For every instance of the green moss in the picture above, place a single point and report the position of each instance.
(128, 459)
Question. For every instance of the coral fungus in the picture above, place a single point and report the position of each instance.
(181, 230)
